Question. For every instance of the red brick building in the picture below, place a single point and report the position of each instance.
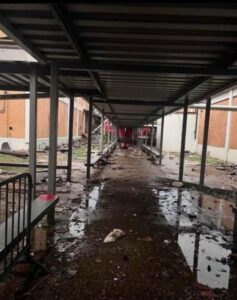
(14, 121)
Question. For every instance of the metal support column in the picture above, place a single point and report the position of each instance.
(146, 140)
(53, 134)
(152, 133)
(88, 168)
(108, 133)
(161, 136)
(183, 140)
(33, 130)
(70, 139)
(112, 133)
(204, 143)
(117, 134)
(102, 132)
(228, 126)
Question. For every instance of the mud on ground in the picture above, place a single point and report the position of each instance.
(177, 245)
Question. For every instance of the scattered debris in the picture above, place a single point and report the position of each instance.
(19, 153)
(177, 184)
(114, 235)
(192, 216)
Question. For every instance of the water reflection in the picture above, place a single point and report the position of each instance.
(80, 218)
(206, 258)
(204, 233)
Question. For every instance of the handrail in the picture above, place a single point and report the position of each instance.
(15, 219)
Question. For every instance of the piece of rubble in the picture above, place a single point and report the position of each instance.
(177, 184)
(114, 235)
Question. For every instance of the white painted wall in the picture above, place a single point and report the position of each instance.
(220, 153)
(173, 133)
(15, 144)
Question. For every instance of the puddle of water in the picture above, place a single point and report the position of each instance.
(192, 208)
(206, 258)
(205, 225)
(80, 218)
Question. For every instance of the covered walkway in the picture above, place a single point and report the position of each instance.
(135, 62)
(174, 241)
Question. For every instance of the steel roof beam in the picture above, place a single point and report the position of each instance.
(77, 68)
(137, 102)
(25, 88)
(144, 68)
(22, 96)
(60, 13)
(128, 114)
(13, 67)
(11, 32)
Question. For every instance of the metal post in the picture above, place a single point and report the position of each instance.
(88, 168)
(161, 136)
(183, 140)
(53, 133)
(108, 133)
(33, 130)
(146, 140)
(204, 143)
(112, 133)
(228, 126)
(102, 132)
(70, 139)
(152, 133)
(117, 134)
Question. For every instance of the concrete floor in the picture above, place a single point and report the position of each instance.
(178, 242)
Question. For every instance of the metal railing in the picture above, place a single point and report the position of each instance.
(15, 219)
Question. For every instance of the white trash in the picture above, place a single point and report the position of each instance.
(114, 235)
(177, 184)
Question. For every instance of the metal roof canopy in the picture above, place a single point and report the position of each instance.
(133, 58)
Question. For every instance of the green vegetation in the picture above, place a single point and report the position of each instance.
(12, 159)
(210, 160)
(80, 153)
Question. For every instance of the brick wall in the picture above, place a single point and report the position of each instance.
(79, 126)
(217, 126)
(43, 118)
(233, 127)
(12, 114)
(62, 119)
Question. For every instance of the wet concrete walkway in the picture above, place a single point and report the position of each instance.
(176, 242)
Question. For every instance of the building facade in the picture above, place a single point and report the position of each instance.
(222, 139)
(14, 121)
